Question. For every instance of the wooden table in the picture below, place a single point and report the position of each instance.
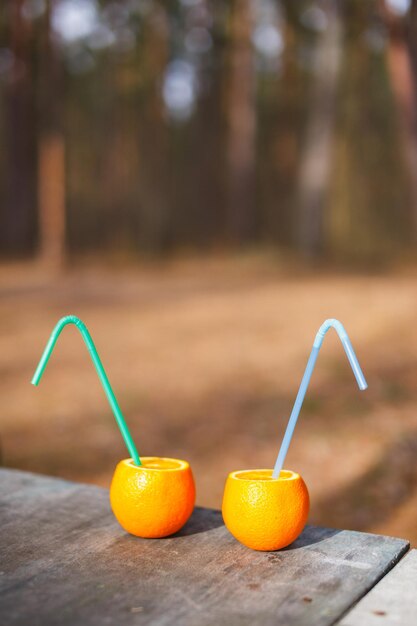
(65, 560)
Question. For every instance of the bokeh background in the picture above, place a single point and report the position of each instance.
(203, 183)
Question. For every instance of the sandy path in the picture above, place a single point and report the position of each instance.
(206, 359)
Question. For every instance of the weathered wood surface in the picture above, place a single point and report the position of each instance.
(64, 560)
(392, 602)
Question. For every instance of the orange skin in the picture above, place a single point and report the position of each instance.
(262, 512)
(154, 499)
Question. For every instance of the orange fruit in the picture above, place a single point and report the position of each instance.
(154, 499)
(262, 512)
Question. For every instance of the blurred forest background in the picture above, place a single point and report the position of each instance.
(156, 126)
(203, 183)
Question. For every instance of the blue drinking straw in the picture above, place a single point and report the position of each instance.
(360, 378)
(72, 319)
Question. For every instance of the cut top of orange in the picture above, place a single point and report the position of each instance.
(157, 463)
(263, 474)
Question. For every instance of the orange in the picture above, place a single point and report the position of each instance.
(154, 499)
(262, 512)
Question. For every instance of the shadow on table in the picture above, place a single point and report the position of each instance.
(201, 521)
(310, 536)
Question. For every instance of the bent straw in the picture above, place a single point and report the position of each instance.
(72, 319)
(360, 378)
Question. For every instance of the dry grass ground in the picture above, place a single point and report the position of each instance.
(206, 358)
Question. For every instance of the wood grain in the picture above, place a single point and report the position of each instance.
(392, 602)
(64, 560)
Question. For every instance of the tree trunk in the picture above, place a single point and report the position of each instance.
(154, 156)
(241, 118)
(51, 156)
(51, 194)
(316, 157)
(404, 86)
(18, 229)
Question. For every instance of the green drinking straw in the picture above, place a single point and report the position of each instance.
(72, 319)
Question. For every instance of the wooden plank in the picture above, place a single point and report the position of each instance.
(392, 602)
(64, 560)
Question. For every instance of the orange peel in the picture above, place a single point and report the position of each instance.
(154, 499)
(262, 512)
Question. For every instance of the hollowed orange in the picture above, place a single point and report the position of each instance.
(262, 512)
(154, 499)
